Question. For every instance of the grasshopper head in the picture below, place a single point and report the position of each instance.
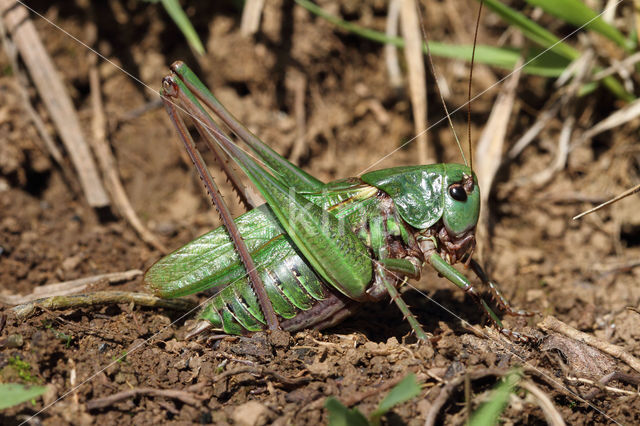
(461, 195)
(440, 201)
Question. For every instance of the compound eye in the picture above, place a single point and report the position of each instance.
(458, 193)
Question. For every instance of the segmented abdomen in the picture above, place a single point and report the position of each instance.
(290, 283)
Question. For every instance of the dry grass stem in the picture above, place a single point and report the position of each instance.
(449, 388)
(562, 153)
(626, 64)
(261, 371)
(417, 78)
(21, 84)
(550, 412)
(56, 99)
(577, 68)
(250, 23)
(616, 119)
(576, 74)
(544, 117)
(490, 148)
(596, 384)
(390, 51)
(108, 162)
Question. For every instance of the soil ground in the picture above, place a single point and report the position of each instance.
(582, 272)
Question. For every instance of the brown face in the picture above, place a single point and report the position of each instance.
(454, 248)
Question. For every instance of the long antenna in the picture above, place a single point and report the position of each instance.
(473, 54)
(435, 77)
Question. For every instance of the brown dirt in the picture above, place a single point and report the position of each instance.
(544, 261)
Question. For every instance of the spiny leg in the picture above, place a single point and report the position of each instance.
(249, 201)
(170, 90)
(497, 294)
(395, 297)
(288, 172)
(450, 273)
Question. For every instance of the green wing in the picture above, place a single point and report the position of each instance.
(210, 261)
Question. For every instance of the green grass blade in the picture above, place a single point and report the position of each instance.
(407, 389)
(339, 415)
(544, 38)
(532, 30)
(548, 65)
(576, 13)
(176, 13)
(14, 393)
(489, 412)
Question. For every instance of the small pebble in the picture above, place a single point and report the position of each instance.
(252, 413)
(555, 227)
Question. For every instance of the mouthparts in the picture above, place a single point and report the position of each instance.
(450, 247)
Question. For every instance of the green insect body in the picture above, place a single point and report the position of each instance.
(318, 249)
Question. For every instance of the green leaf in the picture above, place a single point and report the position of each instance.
(576, 13)
(489, 412)
(546, 64)
(339, 415)
(14, 393)
(407, 389)
(174, 10)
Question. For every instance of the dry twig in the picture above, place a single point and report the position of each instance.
(626, 64)
(562, 152)
(601, 384)
(261, 371)
(552, 324)
(186, 397)
(544, 117)
(68, 287)
(578, 71)
(101, 298)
